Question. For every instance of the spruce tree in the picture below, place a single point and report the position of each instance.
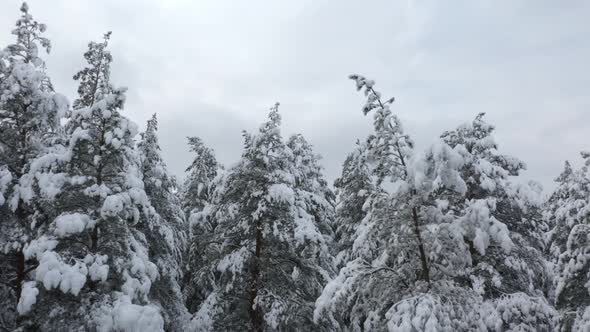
(437, 247)
(568, 211)
(503, 228)
(354, 187)
(198, 186)
(317, 198)
(29, 121)
(200, 174)
(271, 255)
(95, 270)
(166, 234)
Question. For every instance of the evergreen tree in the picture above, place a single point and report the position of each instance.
(95, 271)
(487, 174)
(166, 234)
(354, 187)
(437, 247)
(568, 210)
(271, 256)
(29, 120)
(201, 173)
(196, 193)
(317, 197)
(503, 228)
(387, 244)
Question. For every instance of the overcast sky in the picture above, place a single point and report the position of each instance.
(213, 68)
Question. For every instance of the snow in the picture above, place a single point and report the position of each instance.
(37, 247)
(113, 205)
(50, 184)
(135, 196)
(481, 241)
(438, 169)
(128, 317)
(478, 284)
(478, 219)
(135, 318)
(99, 270)
(22, 191)
(575, 258)
(73, 223)
(5, 179)
(335, 291)
(305, 228)
(234, 262)
(203, 319)
(96, 190)
(52, 272)
(273, 316)
(73, 279)
(132, 178)
(582, 323)
(136, 287)
(140, 273)
(295, 273)
(139, 266)
(529, 194)
(415, 314)
(361, 244)
(28, 297)
(521, 312)
(281, 193)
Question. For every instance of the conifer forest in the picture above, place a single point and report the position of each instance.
(96, 234)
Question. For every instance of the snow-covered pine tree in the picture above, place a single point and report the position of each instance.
(94, 269)
(310, 184)
(390, 258)
(354, 187)
(29, 119)
(200, 174)
(501, 223)
(568, 211)
(390, 150)
(167, 233)
(431, 234)
(271, 258)
(196, 192)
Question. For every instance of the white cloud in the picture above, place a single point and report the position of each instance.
(211, 68)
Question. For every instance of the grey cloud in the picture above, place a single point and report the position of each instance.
(212, 68)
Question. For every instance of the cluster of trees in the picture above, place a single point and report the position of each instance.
(96, 235)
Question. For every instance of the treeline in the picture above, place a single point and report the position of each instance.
(96, 235)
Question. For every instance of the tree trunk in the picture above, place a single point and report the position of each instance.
(423, 258)
(255, 315)
(99, 181)
(94, 239)
(20, 273)
(19, 262)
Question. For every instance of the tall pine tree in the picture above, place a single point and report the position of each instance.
(200, 174)
(354, 187)
(271, 256)
(95, 270)
(437, 247)
(167, 233)
(196, 196)
(568, 211)
(29, 120)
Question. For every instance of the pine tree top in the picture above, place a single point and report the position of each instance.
(95, 78)
(29, 37)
